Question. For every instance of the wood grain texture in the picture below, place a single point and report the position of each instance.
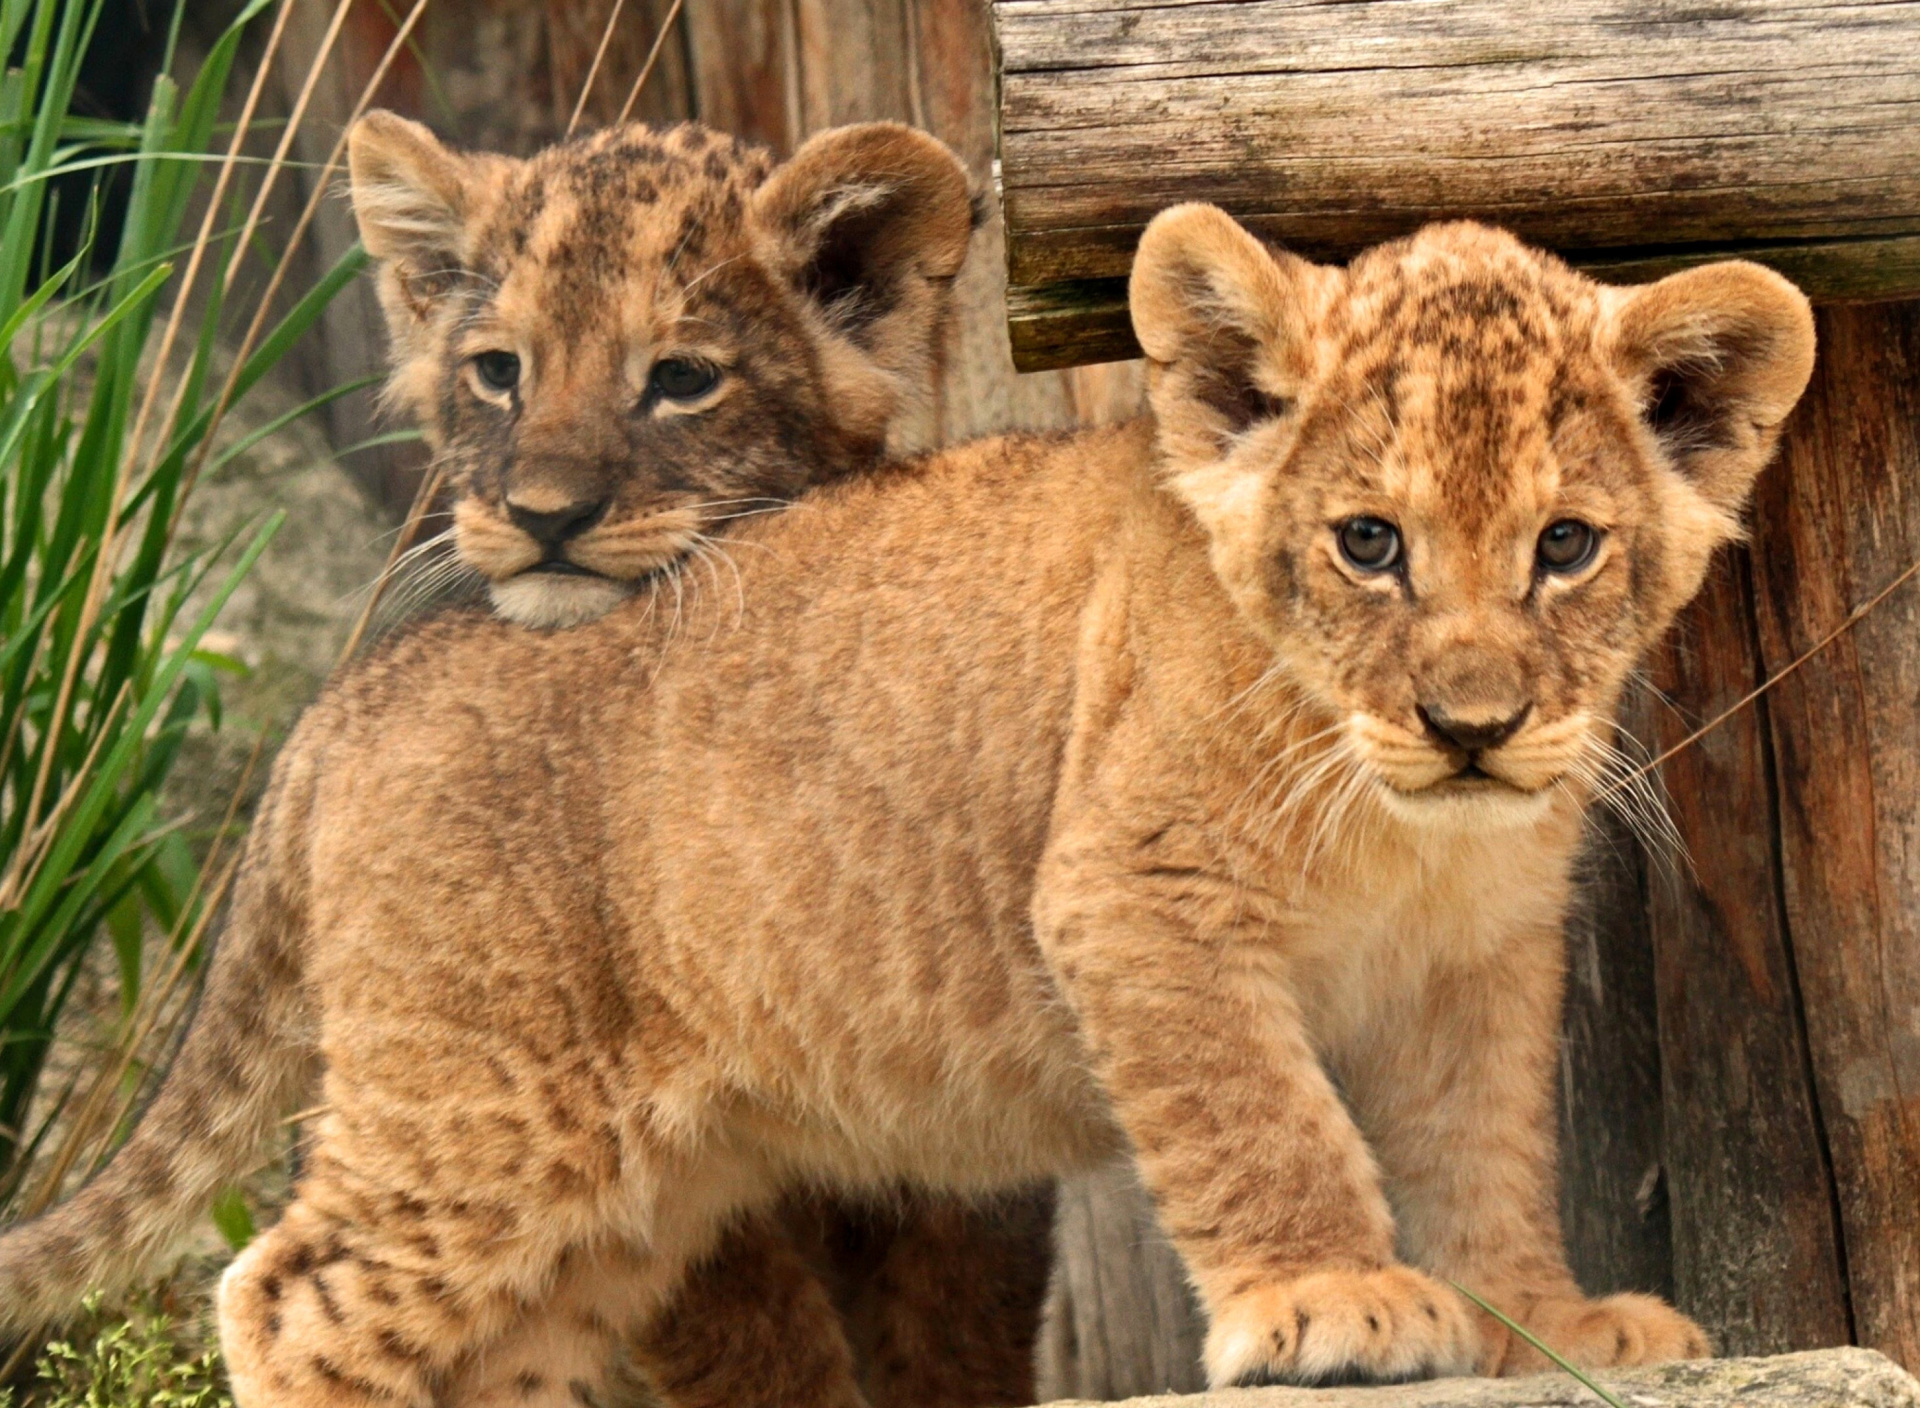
(1614, 1207)
(1836, 521)
(1122, 1320)
(746, 77)
(1834, 1378)
(1619, 131)
(1758, 1258)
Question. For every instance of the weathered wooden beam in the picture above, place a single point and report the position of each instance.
(1633, 137)
(1834, 1378)
(1835, 521)
(1758, 1254)
(1122, 1319)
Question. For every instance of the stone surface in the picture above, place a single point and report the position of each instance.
(1825, 1378)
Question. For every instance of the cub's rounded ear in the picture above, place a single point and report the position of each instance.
(1718, 356)
(871, 223)
(410, 194)
(860, 211)
(1228, 322)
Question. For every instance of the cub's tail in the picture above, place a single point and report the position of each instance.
(246, 1058)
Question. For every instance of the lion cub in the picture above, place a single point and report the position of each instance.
(1130, 791)
(618, 349)
(624, 342)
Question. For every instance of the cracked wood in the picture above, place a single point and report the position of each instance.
(1633, 137)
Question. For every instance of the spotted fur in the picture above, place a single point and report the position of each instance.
(1058, 799)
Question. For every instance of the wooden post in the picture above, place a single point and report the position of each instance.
(1121, 1322)
(1757, 1255)
(1837, 520)
(1614, 1194)
(1788, 950)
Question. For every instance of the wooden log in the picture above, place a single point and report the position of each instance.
(1757, 1254)
(1632, 137)
(1836, 521)
(1835, 1378)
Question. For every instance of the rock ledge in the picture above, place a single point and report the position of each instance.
(1824, 1378)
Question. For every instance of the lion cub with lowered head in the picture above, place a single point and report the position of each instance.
(619, 349)
(1058, 797)
(624, 342)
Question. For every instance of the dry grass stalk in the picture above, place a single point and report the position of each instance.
(1746, 701)
(593, 70)
(321, 190)
(653, 57)
(403, 542)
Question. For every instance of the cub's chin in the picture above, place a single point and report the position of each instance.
(1459, 805)
(554, 601)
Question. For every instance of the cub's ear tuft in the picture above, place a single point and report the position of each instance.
(1228, 322)
(1717, 356)
(871, 223)
(410, 193)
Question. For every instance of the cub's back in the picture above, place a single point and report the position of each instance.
(890, 632)
(812, 799)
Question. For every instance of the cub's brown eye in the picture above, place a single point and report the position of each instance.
(679, 379)
(1370, 544)
(1567, 546)
(498, 371)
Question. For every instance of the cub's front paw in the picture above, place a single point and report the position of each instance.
(1342, 1327)
(1622, 1329)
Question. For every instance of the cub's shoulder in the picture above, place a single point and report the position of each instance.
(1010, 464)
(458, 672)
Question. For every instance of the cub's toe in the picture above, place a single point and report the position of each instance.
(1617, 1330)
(1342, 1327)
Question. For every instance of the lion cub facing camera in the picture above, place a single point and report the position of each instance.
(1130, 791)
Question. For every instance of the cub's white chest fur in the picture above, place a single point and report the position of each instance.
(1367, 936)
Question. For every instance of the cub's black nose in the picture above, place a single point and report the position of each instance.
(1472, 734)
(553, 527)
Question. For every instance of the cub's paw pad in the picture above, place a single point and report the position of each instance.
(1342, 1327)
(1617, 1330)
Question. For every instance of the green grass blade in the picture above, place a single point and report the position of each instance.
(299, 412)
(54, 870)
(1605, 1397)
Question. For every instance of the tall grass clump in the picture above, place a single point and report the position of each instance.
(114, 378)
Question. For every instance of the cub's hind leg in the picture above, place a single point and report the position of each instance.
(566, 1348)
(719, 1310)
(440, 1199)
(940, 1299)
(347, 1304)
(752, 1326)
(943, 1297)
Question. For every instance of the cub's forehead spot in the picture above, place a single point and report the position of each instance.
(1460, 359)
(622, 210)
